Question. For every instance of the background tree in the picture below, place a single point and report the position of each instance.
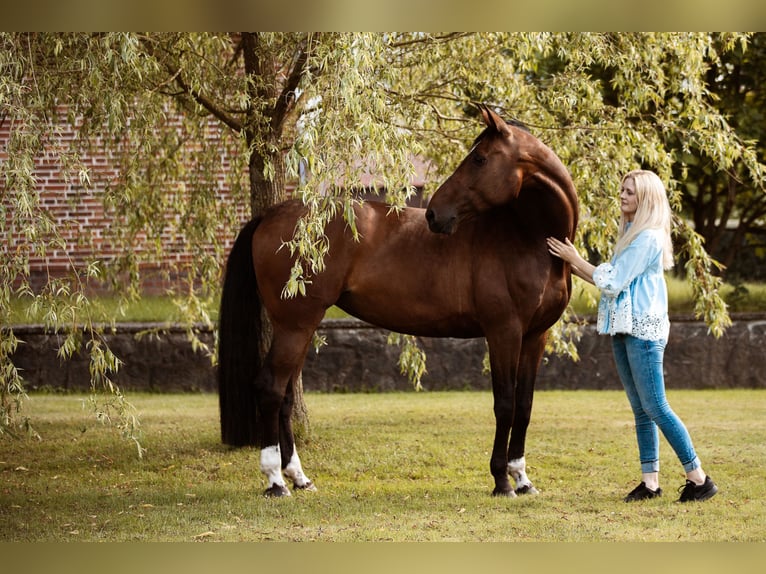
(340, 105)
(250, 85)
(155, 101)
(727, 211)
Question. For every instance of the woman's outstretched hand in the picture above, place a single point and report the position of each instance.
(567, 252)
(563, 250)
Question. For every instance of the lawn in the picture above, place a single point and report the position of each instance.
(389, 467)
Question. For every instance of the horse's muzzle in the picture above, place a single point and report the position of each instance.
(437, 225)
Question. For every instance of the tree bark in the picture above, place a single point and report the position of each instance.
(267, 173)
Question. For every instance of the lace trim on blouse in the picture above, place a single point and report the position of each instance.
(616, 316)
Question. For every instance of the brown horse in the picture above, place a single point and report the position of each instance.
(474, 264)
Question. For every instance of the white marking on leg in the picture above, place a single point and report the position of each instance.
(271, 466)
(518, 470)
(294, 472)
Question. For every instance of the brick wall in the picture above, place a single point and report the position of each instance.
(86, 224)
(85, 221)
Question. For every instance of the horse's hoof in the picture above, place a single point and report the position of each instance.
(308, 487)
(276, 491)
(507, 493)
(527, 489)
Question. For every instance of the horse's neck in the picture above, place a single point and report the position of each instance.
(550, 189)
(553, 192)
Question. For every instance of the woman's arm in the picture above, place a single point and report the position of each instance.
(566, 251)
(581, 275)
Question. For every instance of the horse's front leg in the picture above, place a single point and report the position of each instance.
(498, 463)
(503, 356)
(532, 351)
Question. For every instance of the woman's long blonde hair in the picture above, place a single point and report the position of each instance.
(652, 212)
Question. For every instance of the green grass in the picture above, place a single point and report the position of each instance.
(105, 308)
(396, 466)
(150, 309)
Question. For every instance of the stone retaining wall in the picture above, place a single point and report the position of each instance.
(357, 359)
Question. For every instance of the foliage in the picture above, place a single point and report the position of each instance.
(727, 210)
(93, 82)
(412, 360)
(392, 466)
(325, 109)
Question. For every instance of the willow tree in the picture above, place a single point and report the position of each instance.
(321, 110)
(179, 112)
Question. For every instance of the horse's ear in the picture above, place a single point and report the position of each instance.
(494, 121)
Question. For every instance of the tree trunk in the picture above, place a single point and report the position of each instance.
(265, 192)
(267, 186)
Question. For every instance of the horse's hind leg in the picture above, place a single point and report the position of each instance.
(269, 396)
(291, 462)
(275, 400)
(529, 362)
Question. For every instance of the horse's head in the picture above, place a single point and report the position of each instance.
(490, 175)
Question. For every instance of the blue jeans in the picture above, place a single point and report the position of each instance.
(639, 364)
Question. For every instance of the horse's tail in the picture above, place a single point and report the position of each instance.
(239, 343)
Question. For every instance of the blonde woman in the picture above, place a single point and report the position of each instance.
(633, 309)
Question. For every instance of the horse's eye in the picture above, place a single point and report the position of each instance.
(479, 160)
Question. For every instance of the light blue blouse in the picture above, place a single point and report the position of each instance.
(634, 296)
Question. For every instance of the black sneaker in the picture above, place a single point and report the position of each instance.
(641, 492)
(691, 491)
